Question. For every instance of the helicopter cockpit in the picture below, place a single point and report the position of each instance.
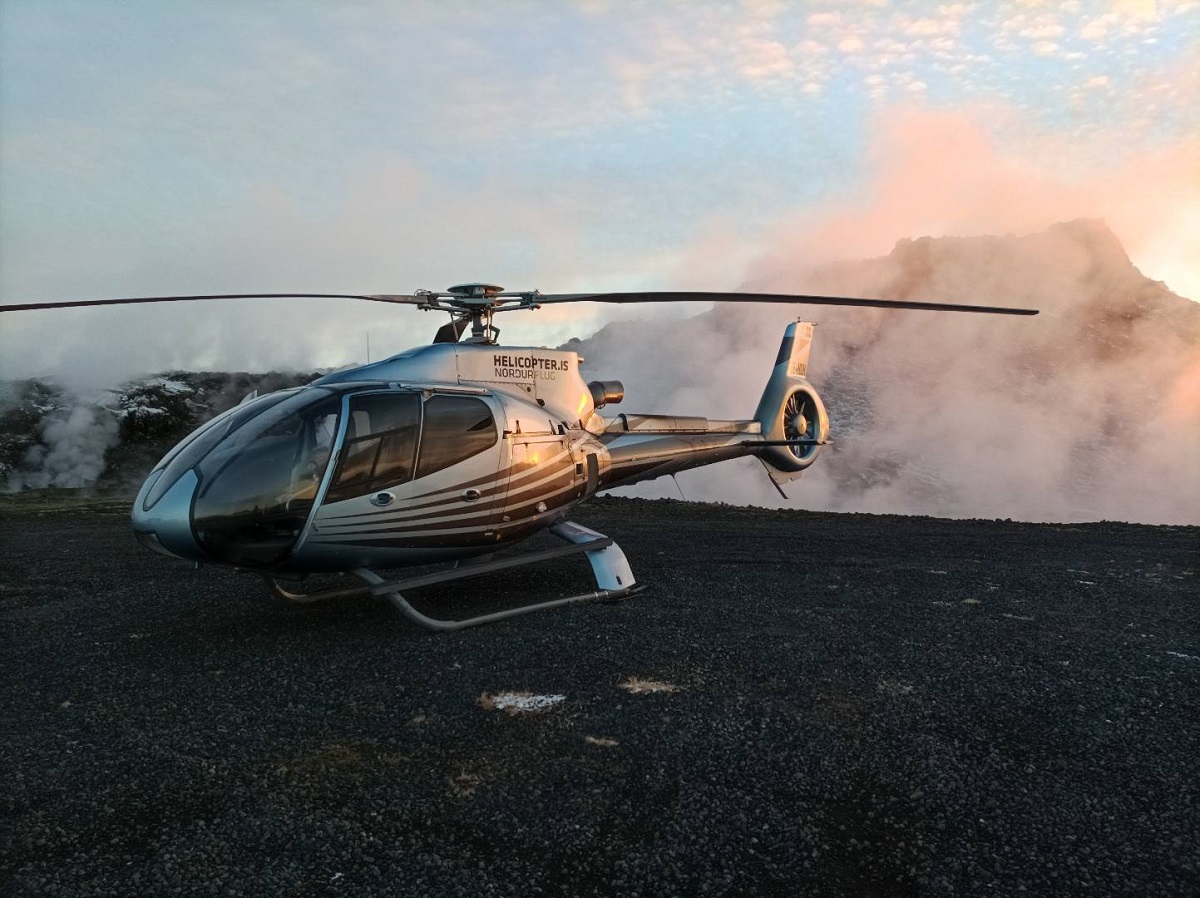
(244, 484)
(258, 484)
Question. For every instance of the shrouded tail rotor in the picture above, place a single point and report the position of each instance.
(802, 414)
(795, 431)
(794, 422)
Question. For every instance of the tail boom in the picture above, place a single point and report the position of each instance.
(786, 433)
(644, 447)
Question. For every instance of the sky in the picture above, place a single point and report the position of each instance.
(200, 147)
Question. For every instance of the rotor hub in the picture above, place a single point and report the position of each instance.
(476, 291)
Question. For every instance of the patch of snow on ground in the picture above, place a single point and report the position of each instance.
(167, 384)
(519, 702)
(637, 684)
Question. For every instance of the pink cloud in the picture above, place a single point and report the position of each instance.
(941, 173)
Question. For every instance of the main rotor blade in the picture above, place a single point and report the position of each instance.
(377, 297)
(779, 298)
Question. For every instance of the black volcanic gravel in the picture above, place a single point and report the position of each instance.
(867, 706)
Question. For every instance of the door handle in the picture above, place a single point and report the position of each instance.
(470, 495)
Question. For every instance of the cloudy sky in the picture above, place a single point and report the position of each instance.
(198, 147)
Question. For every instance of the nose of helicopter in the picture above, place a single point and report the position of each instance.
(240, 489)
(166, 527)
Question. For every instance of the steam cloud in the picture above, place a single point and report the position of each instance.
(1089, 411)
(71, 453)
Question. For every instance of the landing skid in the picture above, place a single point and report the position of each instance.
(614, 580)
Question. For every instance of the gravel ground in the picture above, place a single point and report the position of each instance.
(865, 706)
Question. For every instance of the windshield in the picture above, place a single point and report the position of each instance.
(194, 447)
(258, 483)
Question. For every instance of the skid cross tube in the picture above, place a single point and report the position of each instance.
(479, 568)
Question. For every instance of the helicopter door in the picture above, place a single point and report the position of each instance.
(458, 471)
(379, 449)
(415, 472)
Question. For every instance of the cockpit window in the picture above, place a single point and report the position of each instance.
(380, 449)
(456, 427)
(196, 446)
(258, 484)
(380, 444)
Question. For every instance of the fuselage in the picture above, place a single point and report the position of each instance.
(440, 452)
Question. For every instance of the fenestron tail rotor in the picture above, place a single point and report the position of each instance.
(474, 305)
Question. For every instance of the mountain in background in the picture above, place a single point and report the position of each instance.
(1090, 410)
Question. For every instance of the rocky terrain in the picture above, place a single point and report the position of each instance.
(799, 704)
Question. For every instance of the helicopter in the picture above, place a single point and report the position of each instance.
(450, 451)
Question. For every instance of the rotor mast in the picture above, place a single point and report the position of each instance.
(478, 304)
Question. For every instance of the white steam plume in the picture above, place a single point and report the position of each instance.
(71, 453)
(1089, 411)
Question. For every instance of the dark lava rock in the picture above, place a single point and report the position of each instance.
(865, 706)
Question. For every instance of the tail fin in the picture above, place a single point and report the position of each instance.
(793, 351)
(794, 422)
